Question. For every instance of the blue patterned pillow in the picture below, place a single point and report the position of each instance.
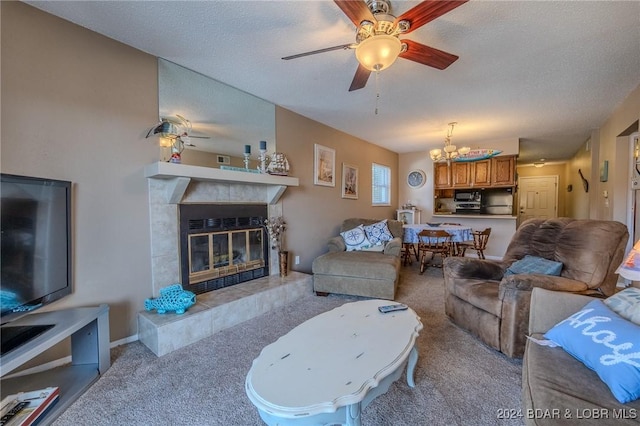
(534, 265)
(355, 239)
(626, 303)
(378, 233)
(606, 343)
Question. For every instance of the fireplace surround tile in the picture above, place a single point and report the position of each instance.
(220, 309)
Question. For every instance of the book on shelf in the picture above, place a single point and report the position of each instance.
(27, 408)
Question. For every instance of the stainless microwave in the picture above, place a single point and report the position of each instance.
(466, 195)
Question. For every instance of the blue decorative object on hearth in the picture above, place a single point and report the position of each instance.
(172, 298)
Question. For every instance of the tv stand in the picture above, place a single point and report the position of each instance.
(88, 329)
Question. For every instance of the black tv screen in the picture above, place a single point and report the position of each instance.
(35, 216)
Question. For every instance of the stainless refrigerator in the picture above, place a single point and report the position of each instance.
(497, 201)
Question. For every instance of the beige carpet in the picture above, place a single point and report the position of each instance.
(459, 381)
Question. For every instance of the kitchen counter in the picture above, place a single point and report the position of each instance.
(476, 216)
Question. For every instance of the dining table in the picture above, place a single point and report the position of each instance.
(459, 234)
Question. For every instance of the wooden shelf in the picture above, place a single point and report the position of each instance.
(180, 175)
(163, 170)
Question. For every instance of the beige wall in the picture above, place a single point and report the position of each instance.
(75, 106)
(617, 151)
(314, 213)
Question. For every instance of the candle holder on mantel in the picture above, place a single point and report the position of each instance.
(263, 157)
(247, 154)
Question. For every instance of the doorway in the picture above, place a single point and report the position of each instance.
(537, 197)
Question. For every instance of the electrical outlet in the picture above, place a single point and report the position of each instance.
(297, 260)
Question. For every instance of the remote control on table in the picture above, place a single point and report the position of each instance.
(392, 308)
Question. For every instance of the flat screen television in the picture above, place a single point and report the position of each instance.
(35, 252)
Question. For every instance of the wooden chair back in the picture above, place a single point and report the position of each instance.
(434, 242)
(480, 239)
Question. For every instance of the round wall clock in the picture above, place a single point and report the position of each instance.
(416, 178)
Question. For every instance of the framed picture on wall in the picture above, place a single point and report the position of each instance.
(349, 181)
(324, 166)
(604, 171)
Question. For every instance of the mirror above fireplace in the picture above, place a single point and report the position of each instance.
(229, 117)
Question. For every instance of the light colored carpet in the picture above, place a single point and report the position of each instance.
(459, 381)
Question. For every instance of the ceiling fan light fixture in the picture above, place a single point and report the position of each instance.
(165, 128)
(378, 52)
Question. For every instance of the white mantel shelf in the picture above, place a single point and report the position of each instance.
(181, 175)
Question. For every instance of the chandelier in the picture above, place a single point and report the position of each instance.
(450, 152)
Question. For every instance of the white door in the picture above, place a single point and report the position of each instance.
(537, 197)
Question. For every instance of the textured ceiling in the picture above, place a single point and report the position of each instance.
(546, 72)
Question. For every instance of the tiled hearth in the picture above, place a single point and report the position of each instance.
(171, 184)
(218, 310)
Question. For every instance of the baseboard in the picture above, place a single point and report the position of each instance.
(66, 360)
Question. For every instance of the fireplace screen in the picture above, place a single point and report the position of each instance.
(218, 254)
(222, 245)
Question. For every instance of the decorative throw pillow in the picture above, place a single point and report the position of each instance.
(378, 233)
(534, 265)
(355, 239)
(626, 303)
(606, 343)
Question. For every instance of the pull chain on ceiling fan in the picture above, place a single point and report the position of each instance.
(378, 44)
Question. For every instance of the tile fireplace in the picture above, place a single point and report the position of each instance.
(225, 239)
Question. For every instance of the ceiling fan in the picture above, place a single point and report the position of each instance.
(377, 36)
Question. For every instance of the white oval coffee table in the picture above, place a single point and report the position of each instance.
(329, 368)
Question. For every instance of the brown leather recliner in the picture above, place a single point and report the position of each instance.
(495, 308)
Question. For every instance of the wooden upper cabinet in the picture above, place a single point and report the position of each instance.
(493, 172)
(481, 172)
(503, 171)
(441, 176)
(461, 175)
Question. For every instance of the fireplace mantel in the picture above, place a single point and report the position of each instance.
(181, 174)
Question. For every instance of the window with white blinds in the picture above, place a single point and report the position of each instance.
(381, 189)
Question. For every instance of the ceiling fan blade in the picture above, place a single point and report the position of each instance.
(356, 10)
(427, 11)
(360, 79)
(326, 49)
(426, 55)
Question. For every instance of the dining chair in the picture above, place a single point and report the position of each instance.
(479, 243)
(454, 245)
(434, 242)
(408, 249)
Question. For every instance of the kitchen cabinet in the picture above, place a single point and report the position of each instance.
(503, 171)
(461, 175)
(496, 172)
(481, 172)
(441, 176)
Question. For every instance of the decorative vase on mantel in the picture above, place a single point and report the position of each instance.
(283, 257)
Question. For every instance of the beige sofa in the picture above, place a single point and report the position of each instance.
(556, 385)
(359, 273)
